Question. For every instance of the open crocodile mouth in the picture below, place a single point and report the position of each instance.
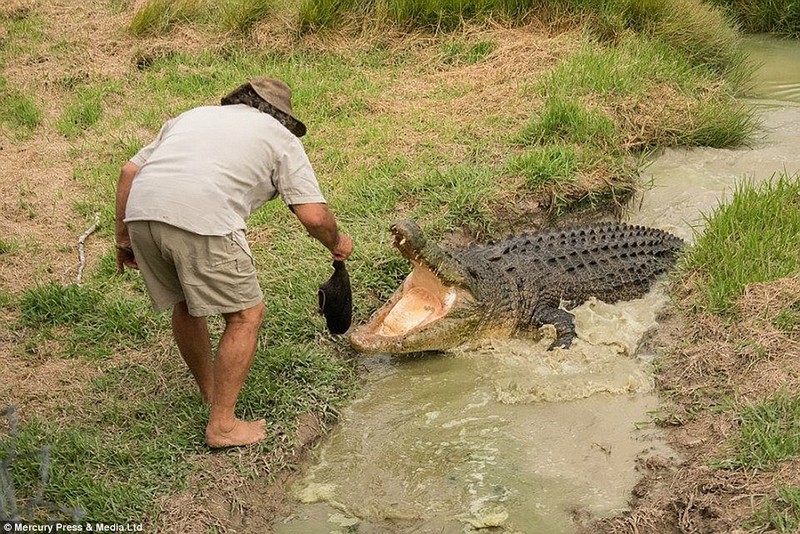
(421, 301)
(428, 310)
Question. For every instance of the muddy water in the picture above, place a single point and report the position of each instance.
(504, 436)
(778, 74)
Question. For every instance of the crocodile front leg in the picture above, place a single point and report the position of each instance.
(561, 319)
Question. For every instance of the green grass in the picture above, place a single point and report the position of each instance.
(447, 15)
(112, 463)
(788, 319)
(140, 425)
(88, 322)
(564, 119)
(136, 440)
(753, 238)
(760, 16)
(83, 112)
(462, 52)
(769, 433)
(241, 15)
(436, 15)
(691, 26)
(23, 27)
(780, 514)
(8, 246)
(19, 113)
(157, 17)
(545, 165)
(650, 74)
(701, 32)
(456, 197)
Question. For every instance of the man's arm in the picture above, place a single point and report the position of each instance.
(321, 225)
(124, 250)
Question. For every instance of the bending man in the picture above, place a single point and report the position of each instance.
(182, 206)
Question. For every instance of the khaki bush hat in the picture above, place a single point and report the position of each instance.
(279, 96)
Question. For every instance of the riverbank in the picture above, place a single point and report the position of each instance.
(94, 374)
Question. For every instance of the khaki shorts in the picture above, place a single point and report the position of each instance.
(213, 274)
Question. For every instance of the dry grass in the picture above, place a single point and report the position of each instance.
(501, 78)
(35, 210)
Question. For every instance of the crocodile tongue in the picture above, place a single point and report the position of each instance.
(417, 307)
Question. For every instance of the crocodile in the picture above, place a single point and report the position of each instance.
(513, 286)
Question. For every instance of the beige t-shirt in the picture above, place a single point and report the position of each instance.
(211, 167)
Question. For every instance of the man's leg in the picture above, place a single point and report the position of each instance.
(234, 356)
(191, 336)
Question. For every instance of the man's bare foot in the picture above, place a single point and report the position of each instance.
(240, 434)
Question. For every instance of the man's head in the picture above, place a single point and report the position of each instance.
(269, 96)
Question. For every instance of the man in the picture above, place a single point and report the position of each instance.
(182, 205)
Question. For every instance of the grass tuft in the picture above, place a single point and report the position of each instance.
(754, 238)
(8, 246)
(541, 166)
(761, 16)
(80, 115)
(780, 514)
(241, 15)
(788, 320)
(459, 52)
(769, 432)
(564, 119)
(699, 30)
(18, 111)
(156, 17)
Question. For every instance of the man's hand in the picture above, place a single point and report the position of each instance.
(343, 248)
(125, 257)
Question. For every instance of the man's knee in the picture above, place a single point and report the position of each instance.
(252, 316)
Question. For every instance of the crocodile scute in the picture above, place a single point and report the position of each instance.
(512, 286)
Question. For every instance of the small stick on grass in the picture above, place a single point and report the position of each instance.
(81, 240)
